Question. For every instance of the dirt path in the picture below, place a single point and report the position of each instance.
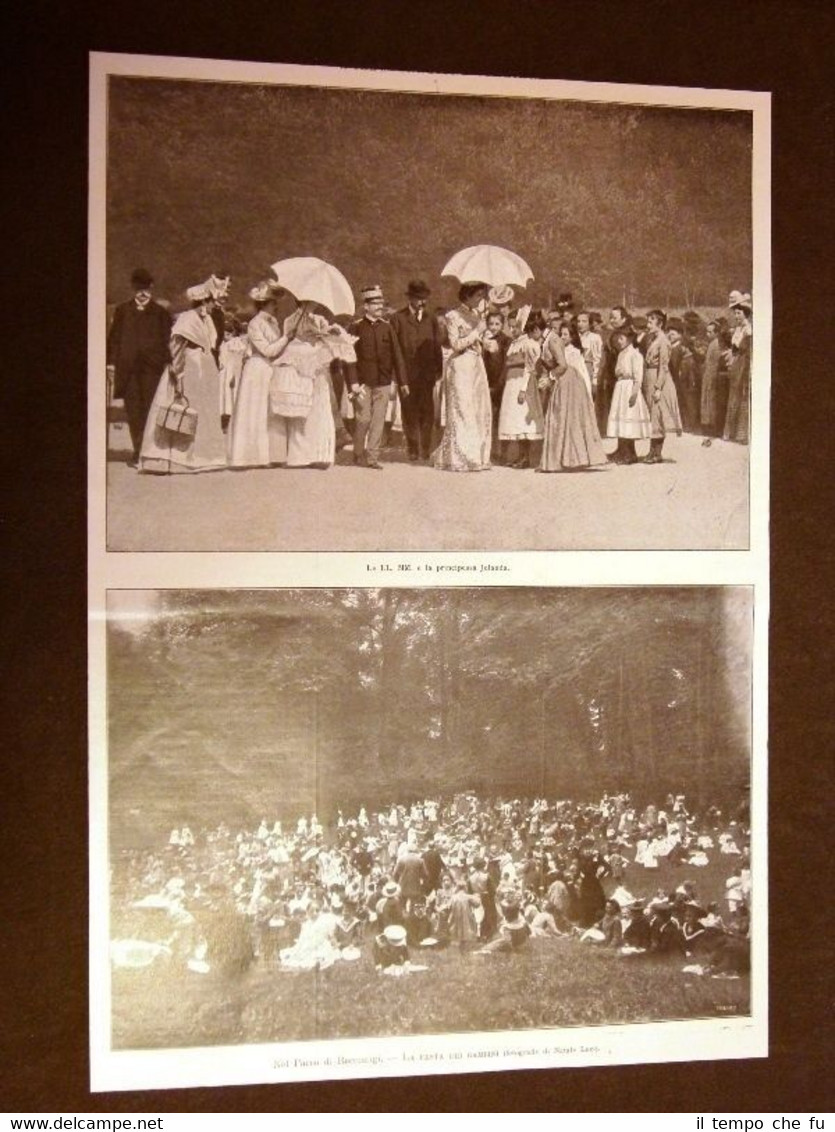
(698, 499)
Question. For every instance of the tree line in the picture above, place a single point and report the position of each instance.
(231, 704)
(650, 204)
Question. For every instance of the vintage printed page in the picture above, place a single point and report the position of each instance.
(428, 588)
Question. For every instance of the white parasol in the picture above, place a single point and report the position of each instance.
(487, 263)
(312, 280)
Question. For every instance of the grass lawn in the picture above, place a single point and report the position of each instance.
(551, 983)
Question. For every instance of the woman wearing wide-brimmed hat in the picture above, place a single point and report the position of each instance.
(189, 390)
(737, 421)
(257, 438)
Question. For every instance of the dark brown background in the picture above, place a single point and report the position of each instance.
(755, 44)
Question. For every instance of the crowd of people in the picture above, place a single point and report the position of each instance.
(484, 383)
(478, 876)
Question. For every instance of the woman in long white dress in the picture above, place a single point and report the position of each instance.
(258, 438)
(301, 387)
(468, 413)
(628, 416)
(192, 380)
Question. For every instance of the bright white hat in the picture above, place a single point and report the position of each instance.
(395, 933)
(198, 293)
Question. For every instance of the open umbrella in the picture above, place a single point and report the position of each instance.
(312, 280)
(487, 263)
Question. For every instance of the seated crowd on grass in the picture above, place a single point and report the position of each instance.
(481, 876)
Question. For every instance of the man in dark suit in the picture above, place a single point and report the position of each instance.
(434, 864)
(379, 365)
(685, 377)
(411, 874)
(494, 365)
(137, 353)
(419, 336)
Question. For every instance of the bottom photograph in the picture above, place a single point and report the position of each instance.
(383, 813)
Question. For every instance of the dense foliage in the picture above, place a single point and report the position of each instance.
(610, 201)
(230, 705)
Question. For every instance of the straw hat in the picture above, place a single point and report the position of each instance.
(198, 293)
(395, 934)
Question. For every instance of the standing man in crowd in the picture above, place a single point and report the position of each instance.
(137, 353)
(419, 337)
(639, 325)
(378, 367)
(494, 365)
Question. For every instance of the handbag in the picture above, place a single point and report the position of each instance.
(178, 417)
(291, 392)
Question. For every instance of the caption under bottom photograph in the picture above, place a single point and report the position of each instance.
(357, 813)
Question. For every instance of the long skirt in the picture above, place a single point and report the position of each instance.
(517, 422)
(465, 446)
(714, 402)
(737, 421)
(257, 438)
(628, 422)
(312, 439)
(572, 438)
(714, 384)
(664, 414)
(173, 452)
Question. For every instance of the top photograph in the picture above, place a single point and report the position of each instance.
(341, 311)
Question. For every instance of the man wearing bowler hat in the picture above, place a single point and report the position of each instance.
(419, 336)
(137, 353)
(379, 365)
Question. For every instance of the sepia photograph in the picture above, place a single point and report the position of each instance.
(300, 275)
(469, 815)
